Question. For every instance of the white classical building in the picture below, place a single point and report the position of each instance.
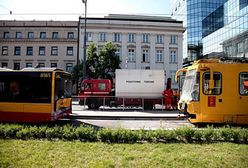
(143, 42)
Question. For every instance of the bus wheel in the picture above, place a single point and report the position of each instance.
(93, 105)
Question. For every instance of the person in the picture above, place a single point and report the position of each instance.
(168, 95)
(14, 89)
(246, 87)
(175, 98)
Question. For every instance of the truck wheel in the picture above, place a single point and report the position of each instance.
(93, 105)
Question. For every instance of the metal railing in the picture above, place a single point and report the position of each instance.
(121, 103)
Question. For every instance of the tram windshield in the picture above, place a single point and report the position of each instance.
(190, 91)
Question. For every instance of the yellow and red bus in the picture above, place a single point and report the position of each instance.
(34, 94)
(215, 91)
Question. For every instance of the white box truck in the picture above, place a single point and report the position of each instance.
(132, 88)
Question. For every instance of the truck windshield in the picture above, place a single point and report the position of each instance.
(190, 91)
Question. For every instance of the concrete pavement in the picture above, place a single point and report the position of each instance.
(130, 118)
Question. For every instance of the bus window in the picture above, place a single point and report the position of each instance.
(217, 84)
(243, 83)
(25, 87)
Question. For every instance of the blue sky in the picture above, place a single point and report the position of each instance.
(71, 9)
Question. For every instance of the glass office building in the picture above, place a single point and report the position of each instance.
(192, 12)
(225, 31)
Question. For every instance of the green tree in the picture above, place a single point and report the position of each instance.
(77, 71)
(102, 65)
(98, 66)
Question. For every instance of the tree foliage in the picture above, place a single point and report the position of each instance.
(102, 65)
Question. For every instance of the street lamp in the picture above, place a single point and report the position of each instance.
(85, 19)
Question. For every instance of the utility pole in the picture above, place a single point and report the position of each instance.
(85, 22)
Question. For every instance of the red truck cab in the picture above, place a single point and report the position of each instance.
(93, 91)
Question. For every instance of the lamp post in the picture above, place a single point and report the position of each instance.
(85, 21)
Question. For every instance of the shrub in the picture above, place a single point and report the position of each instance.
(24, 133)
(86, 134)
(166, 135)
(9, 130)
(105, 135)
(185, 134)
(69, 132)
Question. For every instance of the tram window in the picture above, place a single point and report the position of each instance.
(243, 83)
(217, 84)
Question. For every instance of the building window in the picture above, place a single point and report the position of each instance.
(173, 39)
(55, 35)
(30, 35)
(173, 56)
(42, 51)
(145, 55)
(4, 50)
(240, 47)
(117, 37)
(243, 83)
(131, 38)
(18, 35)
(29, 50)
(89, 36)
(42, 35)
(172, 75)
(70, 35)
(69, 51)
(16, 66)
(159, 55)
(159, 39)
(131, 55)
(145, 38)
(118, 52)
(6, 35)
(53, 65)
(4, 65)
(54, 50)
(242, 4)
(41, 65)
(229, 50)
(17, 50)
(102, 36)
(69, 67)
(29, 65)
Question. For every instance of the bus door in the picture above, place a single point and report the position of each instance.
(212, 99)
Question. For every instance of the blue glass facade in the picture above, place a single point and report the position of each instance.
(226, 34)
(192, 12)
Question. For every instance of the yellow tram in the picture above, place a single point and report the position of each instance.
(215, 91)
